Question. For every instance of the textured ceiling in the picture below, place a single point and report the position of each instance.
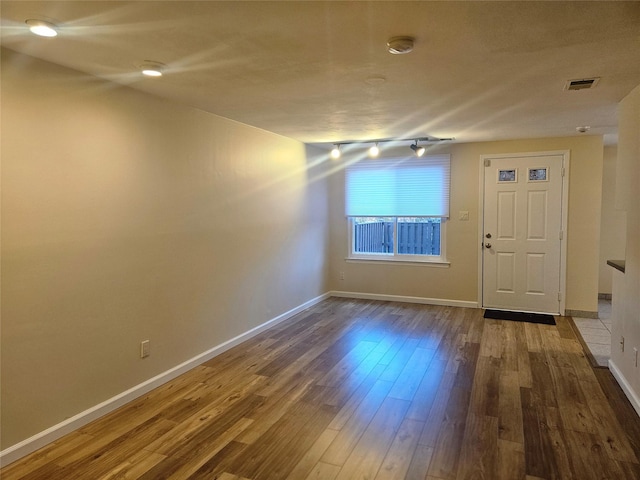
(314, 71)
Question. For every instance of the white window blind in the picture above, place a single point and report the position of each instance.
(411, 187)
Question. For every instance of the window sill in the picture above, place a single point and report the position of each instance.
(439, 263)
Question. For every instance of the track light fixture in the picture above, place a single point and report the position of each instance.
(419, 149)
(374, 150)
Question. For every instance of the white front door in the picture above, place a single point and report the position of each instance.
(522, 233)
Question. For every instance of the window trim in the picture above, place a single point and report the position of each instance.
(440, 260)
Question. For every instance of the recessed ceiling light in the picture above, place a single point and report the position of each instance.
(152, 69)
(42, 28)
(583, 129)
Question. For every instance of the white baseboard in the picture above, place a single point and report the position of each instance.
(405, 299)
(626, 388)
(21, 449)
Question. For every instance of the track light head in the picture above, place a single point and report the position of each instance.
(335, 153)
(418, 149)
(374, 151)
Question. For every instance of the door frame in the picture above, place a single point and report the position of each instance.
(564, 218)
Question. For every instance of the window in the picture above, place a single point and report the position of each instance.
(397, 208)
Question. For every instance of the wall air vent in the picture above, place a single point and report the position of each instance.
(581, 84)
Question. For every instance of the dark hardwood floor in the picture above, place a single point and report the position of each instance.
(354, 389)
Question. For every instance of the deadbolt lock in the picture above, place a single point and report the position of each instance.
(488, 235)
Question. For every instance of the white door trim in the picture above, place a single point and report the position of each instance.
(564, 215)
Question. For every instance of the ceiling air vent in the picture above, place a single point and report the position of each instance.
(582, 83)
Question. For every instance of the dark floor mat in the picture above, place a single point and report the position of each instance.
(520, 316)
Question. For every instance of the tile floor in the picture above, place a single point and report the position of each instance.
(596, 332)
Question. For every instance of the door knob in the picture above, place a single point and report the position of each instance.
(488, 245)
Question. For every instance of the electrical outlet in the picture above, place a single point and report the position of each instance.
(341, 275)
(144, 349)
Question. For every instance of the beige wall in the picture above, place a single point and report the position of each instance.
(459, 281)
(613, 224)
(626, 287)
(125, 218)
